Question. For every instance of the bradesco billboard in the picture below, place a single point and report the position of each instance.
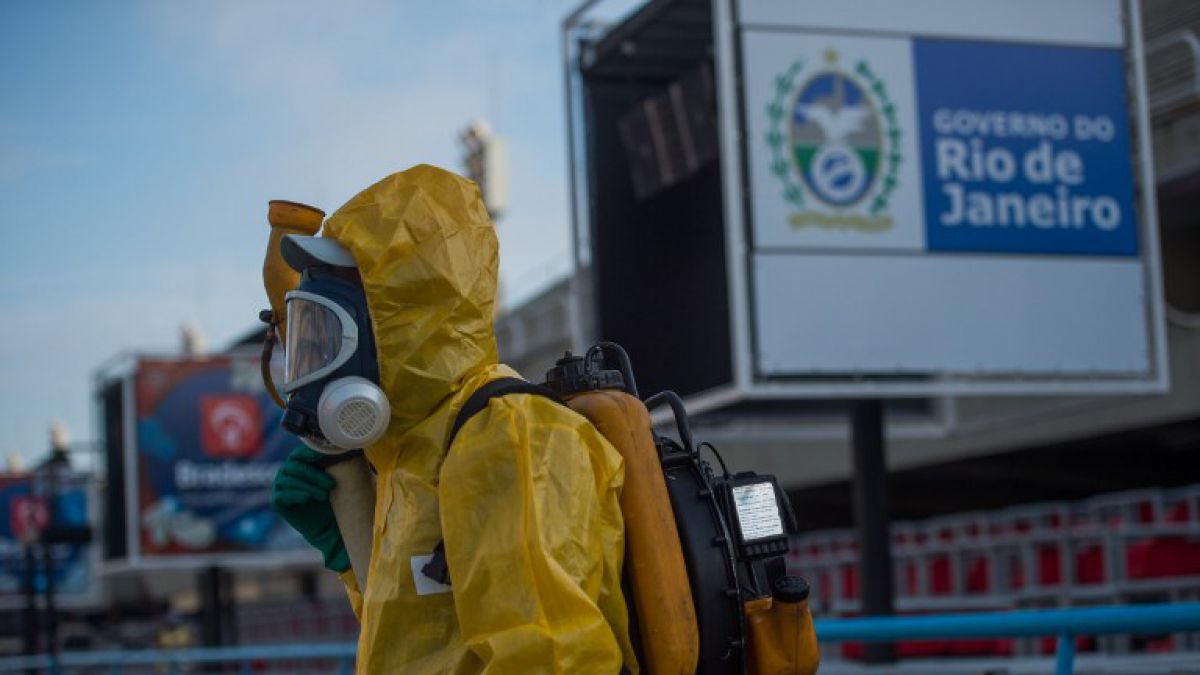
(208, 444)
(946, 190)
(24, 512)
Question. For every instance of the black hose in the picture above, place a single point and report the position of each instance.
(681, 418)
(713, 449)
(264, 361)
(623, 364)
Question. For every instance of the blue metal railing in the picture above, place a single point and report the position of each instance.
(1063, 623)
(1066, 624)
(172, 660)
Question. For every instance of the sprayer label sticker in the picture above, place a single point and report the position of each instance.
(757, 510)
(423, 584)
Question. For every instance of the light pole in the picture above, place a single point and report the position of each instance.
(485, 161)
(59, 443)
(29, 521)
(50, 474)
(30, 590)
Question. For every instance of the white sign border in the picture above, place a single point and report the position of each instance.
(747, 384)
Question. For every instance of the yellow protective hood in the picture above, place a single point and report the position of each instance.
(526, 506)
(428, 256)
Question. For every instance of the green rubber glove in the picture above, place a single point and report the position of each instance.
(300, 495)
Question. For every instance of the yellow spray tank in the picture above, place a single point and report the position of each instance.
(657, 574)
(353, 496)
(708, 596)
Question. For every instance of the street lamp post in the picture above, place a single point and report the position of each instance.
(30, 590)
(59, 443)
(29, 522)
(485, 161)
(55, 532)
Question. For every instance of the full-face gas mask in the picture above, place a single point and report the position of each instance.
(331, 376)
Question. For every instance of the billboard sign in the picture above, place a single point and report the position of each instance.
(942, 198)
(26, 513)
(208, 445)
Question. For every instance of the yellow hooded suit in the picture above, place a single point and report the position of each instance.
(526, 501)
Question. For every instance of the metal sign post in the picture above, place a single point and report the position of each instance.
(872, 517)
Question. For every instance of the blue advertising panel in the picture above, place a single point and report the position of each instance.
(1025, 148)
(208, 446)
(23, 513)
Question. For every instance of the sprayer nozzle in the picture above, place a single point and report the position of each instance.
(295, 216)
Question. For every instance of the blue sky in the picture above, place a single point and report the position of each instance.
(140, 142)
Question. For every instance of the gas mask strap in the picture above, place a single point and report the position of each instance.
(268, 350)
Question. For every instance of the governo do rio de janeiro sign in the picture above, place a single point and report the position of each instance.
(947, 190)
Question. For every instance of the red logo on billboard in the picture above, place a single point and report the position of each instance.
(28, 516)
(230, 425)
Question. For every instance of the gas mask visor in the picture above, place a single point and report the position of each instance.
(321, 336)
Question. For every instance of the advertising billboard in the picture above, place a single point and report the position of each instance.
(24, 513)
(199, 472)
(942, 198)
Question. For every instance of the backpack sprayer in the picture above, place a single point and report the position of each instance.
(706, 579)
(705, 550)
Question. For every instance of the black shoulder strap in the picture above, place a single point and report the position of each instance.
(436, 568)
(501, 387)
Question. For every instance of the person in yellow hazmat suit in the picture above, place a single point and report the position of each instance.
(524, 503)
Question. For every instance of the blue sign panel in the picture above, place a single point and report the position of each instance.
(1024, 149)
(24, 513)
(209, 444)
